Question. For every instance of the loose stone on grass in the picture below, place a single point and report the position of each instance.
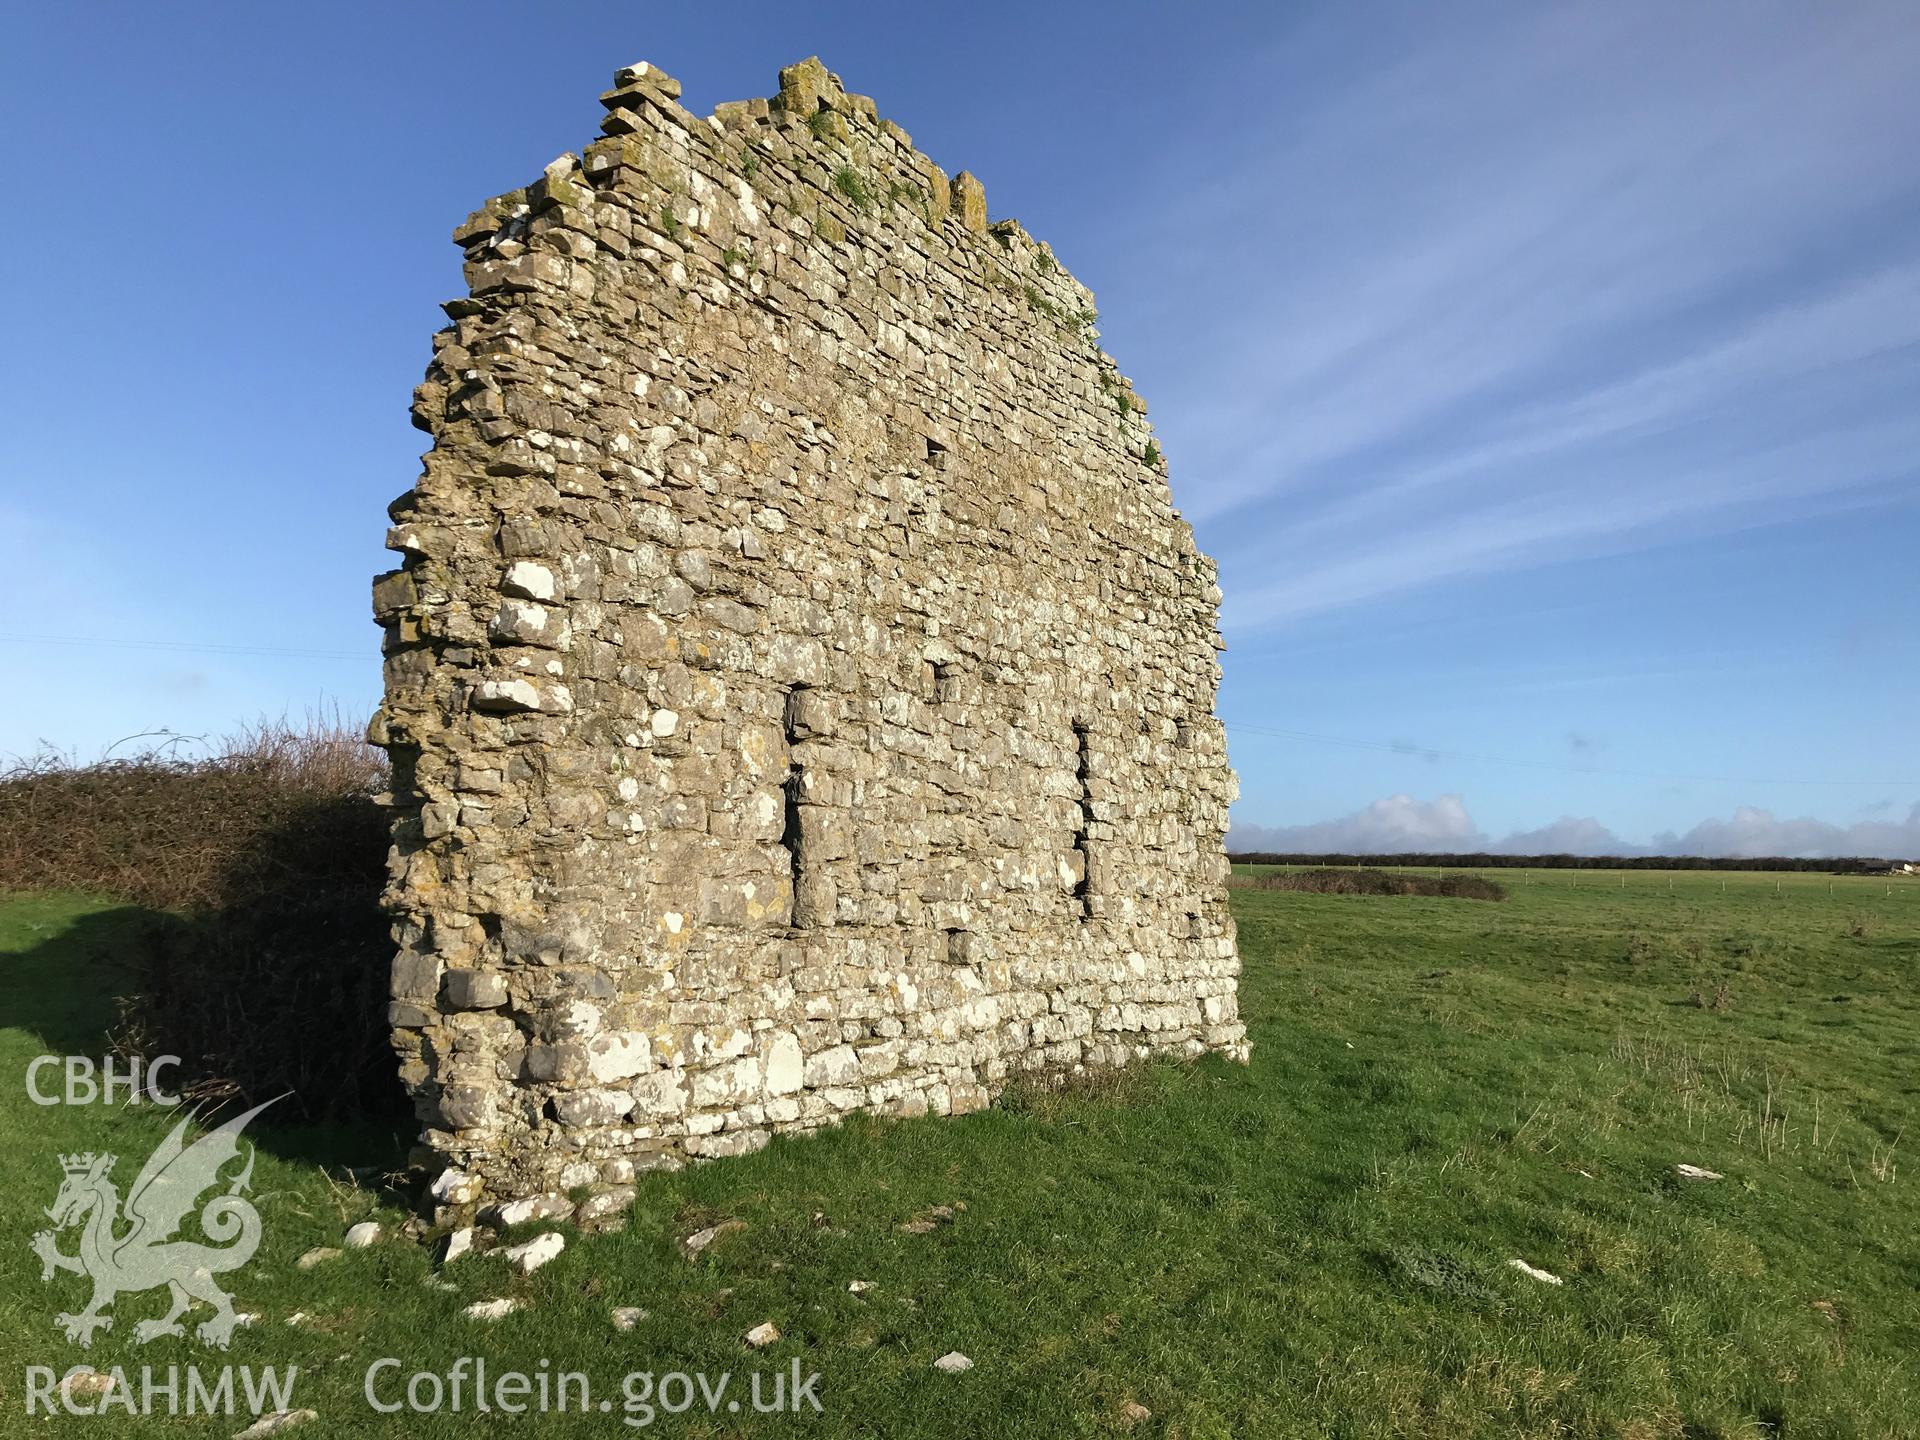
(953, 1362)
(536, 1252)
(597, 1210)
(319, 1255)
(932, 1219)
(85, 1382)
(274, 1422)
(763, 1335)
(537, 1207)
(494, 1309)
(625, 1317)
(701, 1239)
(360, 1236)
(1545, 1276)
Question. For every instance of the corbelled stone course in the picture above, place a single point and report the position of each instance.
(799, 684)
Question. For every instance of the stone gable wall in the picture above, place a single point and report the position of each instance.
(799, 683)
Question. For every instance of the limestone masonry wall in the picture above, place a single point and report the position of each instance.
(799, 684)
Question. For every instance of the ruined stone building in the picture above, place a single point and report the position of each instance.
(799, 683)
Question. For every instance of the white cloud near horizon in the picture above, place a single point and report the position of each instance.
(1403, 823)
(1555, 283)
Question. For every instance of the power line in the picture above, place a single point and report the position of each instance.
(192, 646)
(1423, 753)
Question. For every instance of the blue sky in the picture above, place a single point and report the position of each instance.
(1545, 379)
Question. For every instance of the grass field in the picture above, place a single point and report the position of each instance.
(1316, 1244)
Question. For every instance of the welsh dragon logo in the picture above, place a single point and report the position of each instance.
(137, 1250)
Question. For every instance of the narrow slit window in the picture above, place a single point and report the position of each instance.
(1082, 840)
(791, 791)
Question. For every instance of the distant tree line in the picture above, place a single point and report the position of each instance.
(1481, 860)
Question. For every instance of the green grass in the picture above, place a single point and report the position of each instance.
(849, 182)
(1316, 1244)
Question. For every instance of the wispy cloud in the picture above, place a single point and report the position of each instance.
(1557, 283)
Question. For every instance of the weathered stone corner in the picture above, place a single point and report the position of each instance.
(809, 86)
(641, 75)
(968, 200)
(799, 683)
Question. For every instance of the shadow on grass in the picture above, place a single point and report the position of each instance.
(87, 985)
